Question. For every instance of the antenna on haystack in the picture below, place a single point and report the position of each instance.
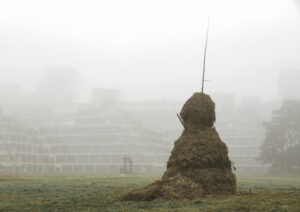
(204, 59)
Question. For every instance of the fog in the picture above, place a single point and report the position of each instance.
(152, 50)
(90, 86)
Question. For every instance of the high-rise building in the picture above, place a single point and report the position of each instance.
(60, 86)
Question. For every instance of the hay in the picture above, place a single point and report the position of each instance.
(199, 111)
(171, 188)
(199, 162)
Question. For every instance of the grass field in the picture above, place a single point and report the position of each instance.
(103, 193)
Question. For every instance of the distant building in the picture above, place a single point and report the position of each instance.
(11, 94)
(60, 86)
(96, 137)
(89, 139)
(240, 127)
(99, 140)
(105, 98)
(22, 149)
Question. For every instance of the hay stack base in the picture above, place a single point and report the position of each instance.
(199, 163)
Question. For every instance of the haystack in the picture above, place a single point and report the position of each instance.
(199, 163)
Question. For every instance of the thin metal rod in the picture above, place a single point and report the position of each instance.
(204, 59)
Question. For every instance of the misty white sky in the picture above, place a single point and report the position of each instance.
(152, 49)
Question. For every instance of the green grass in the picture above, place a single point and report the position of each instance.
(102, 194)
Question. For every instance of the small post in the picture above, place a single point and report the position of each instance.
(180, 119)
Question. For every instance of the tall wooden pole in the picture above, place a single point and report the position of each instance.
(204, 59)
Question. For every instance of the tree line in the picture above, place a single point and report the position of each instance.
(281, 147)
